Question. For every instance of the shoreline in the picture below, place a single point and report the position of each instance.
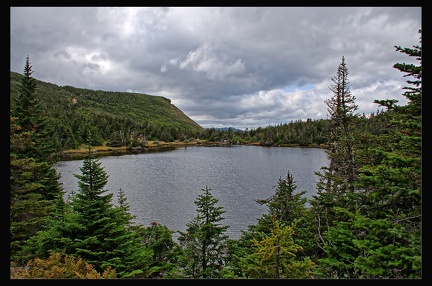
(157, 146)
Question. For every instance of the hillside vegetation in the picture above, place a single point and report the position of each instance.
(110, 117)
(363, 222)
(120, 121)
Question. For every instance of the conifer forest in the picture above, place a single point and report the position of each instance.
(364, 222)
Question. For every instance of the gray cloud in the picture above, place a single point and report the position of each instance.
(222, 66)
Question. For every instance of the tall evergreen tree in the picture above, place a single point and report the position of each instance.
(94, 229)
(29, 116)
(29, 204)
(27, 105)
(341, 108)
(391, 172)
(287, 208)
(34, 187)
(336, 186)
(380, 237)
(204, 241)
(156, 237)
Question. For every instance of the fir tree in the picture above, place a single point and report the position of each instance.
(94, 229)
(341, 108)
(379, 235)
(336, 186)
(29, 116)
(391, 172)
(27, 105)
(289, 207)
(34, 187)
(204, 241)
(286, 205)
(274, 256)
(166, 251)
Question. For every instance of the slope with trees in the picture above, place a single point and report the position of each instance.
(365, 222)
(76, 112)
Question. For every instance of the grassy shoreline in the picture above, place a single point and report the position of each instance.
(83, 150)
(152, 146)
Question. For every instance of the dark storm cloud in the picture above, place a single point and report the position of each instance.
(222, 66)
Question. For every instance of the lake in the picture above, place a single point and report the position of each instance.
(162, 186)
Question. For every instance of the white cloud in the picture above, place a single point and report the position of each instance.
(239, 66)
(213, 61)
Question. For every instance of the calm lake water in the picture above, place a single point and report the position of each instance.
(162, 186)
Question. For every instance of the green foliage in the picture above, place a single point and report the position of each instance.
(34, 189)
(32, 200)
(336, 185)
(341, 109)
(275, 256)
(360, 247)
(123, 119)
(31, 119)
(166, 251)
(284, 207)
(285, 204)
(94, 229)
(365, 220)
(77, 112)
(124, 207)
(204, 242)
(375, 231)
(27, 105)
(289, 207)
(294, 133)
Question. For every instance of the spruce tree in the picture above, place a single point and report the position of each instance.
(391, 172)
(34, 187)
(336, 186)
(370, 248)
(95, 229)
(166, 251)
(380, 235)
(29, 208)
(274, 256)
(27, 105)
(29, 116)
(204, 242)
(341, 107)
(288, 207)
(285, 204)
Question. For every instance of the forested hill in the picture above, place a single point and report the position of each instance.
(107, 114)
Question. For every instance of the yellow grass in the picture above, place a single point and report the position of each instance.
(150, 144)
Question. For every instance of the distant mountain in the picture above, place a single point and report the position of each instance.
(226, 129)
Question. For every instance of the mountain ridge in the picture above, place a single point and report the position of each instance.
(106, 113)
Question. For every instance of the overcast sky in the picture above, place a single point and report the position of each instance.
(222, 66)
